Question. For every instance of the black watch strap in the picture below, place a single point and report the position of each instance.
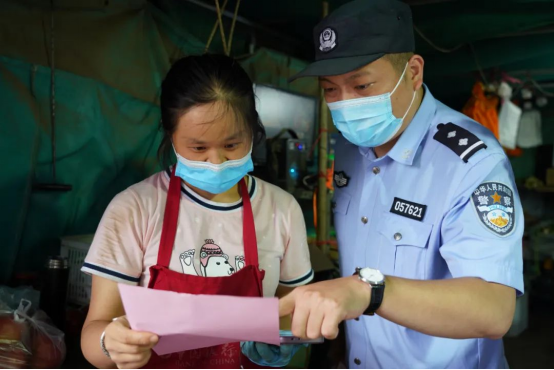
(377, 294)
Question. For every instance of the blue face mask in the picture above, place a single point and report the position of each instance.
(213, 178)
(368, 122)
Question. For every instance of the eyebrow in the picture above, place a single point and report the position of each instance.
(357, 75)
(325, 79)
(228, 138)
(349, 78)
(235, 136)
(195, 141)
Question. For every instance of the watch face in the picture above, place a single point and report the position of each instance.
(371, 275)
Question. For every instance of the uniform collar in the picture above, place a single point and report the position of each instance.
(406, 147)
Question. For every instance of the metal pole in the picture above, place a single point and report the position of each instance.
(52, 92)
(322, 194)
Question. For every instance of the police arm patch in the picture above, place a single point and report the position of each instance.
(494, 205)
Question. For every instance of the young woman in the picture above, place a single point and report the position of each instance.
(203, 226)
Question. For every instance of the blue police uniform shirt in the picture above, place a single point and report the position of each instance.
(428, 210)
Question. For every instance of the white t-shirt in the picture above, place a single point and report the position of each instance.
(209, 239)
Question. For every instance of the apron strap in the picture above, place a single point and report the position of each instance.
(248, 227)
(171, 217)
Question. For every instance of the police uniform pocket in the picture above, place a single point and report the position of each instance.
(341, 202)
(409, 238)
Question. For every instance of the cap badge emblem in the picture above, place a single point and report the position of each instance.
(327, 40)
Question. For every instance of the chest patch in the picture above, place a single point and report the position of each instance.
(493, 203)
(341, 180)
(405, 208)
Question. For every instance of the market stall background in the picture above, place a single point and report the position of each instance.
(110, 57)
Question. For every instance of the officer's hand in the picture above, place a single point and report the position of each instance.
(319, 308)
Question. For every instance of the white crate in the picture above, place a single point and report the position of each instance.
(75, 248)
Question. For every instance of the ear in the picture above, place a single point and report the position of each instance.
(415, 69)
(226, 257)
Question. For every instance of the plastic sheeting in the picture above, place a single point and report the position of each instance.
(106, 140)
(110, 63)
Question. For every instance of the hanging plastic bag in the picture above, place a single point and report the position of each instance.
(27, 338)
(530, 129)
(508, 124)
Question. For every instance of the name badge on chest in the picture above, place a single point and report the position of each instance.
(405, 208)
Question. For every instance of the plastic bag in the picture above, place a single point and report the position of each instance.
(508, 123)
(10, 298)
(27, 337)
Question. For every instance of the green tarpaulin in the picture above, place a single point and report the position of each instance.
(111, 57)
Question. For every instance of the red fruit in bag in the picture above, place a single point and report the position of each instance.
(13, 358)
(13, 353)
(46, 354)
(10, 330)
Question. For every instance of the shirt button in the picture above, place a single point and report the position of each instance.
(357, 361)
(364, 220)
(376, 170)
(397, 236)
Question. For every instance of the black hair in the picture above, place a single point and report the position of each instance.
(399, 60)
(204, 79)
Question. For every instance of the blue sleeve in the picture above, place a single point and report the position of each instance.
(483, 228)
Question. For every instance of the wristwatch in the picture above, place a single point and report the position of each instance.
(377, 282)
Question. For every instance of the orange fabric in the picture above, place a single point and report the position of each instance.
(517, 152)
(330, 176)
(483, 109)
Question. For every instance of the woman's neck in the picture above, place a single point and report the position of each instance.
(230, 196)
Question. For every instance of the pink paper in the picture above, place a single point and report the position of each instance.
(188, 321)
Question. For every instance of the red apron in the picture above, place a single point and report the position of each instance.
(245, 283)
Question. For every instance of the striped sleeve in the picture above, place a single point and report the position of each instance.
(303, 280)
(94, 269)
(116, 252)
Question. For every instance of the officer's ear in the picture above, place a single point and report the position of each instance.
(415, 69)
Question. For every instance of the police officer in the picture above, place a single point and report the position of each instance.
(426, 210)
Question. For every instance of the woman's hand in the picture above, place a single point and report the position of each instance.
(129, 349)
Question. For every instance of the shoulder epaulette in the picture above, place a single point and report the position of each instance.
(459, 140)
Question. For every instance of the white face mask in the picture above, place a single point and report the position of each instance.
(368, 122)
